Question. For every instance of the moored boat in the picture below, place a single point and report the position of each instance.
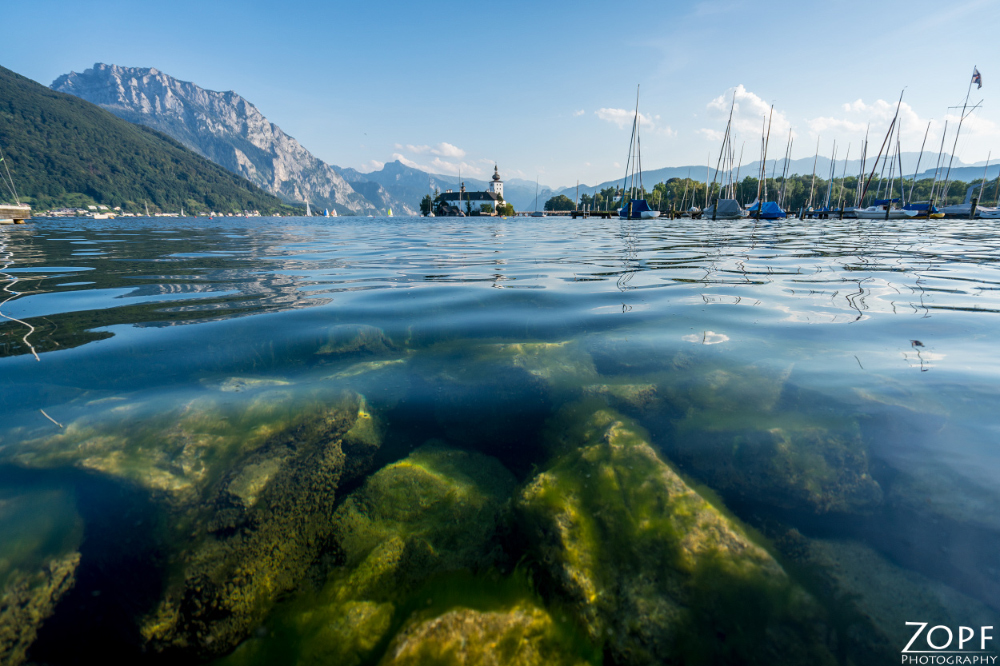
(14, 213)
(636, 208)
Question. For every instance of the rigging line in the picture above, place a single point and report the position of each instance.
(13, 295)
(10, 185)
(915, 171)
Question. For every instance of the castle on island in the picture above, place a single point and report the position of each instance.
(454, 204)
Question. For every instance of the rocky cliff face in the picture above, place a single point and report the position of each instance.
(222, 126)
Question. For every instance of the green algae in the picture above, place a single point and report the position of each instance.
(260, 529)
(42, 532)
(417, 541)
(651, 569)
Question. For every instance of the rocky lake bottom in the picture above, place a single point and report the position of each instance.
(490, 441)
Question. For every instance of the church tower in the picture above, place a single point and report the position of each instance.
(496, 185)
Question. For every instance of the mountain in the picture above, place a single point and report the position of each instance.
(222, 126)
(410, 185)
(63, 150)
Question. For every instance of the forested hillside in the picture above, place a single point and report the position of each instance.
(62, 150)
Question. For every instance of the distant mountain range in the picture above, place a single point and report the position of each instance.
(229, 130)
(225, 128)
(64, 151)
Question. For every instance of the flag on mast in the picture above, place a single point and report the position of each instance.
(977, 77)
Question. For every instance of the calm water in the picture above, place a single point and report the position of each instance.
(831, 388)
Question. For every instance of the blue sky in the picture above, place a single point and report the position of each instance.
(547, 89)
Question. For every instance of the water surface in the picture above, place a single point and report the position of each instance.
(831, 387)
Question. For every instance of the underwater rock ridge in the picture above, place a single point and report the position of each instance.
(260, 530)
(653, 571)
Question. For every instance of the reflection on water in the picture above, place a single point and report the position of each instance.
(406, 441)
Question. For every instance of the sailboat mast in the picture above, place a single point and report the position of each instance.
(937, 167)
(961, 120)
(884, 141)
(919, 160)
(813, 184)
(763, 165)
(982, 186)
(843, 178)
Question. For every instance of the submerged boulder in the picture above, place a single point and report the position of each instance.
(754, 437)
(27, 600)
(432, 514)
(260, 530)
(524, 635)
(649, 567)
(40, 536)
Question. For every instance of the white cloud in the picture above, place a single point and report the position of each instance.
(877, 115)
(438, 165)
(711, 134)
(577, 114)
(620, 117)
(623, 118)
(373, 165)
(443, 149)
(448, 150)
(750, 112)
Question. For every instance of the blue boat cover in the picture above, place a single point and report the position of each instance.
(885, 202)
(919, 206)
(770, 211)
(638, 206)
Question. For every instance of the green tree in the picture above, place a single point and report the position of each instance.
(425, 204)
(560, 202)
(486, 208)
(506, 208)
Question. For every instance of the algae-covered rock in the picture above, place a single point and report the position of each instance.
(752, 436)
(650, 568)
(357, 340)
(442, 503)
(524, 635)
(40, 536)
(427, 516)
(27, 600)
(260, 530)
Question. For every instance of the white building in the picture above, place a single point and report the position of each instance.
(496, 187)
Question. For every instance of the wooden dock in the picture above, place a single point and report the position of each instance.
(14, 214)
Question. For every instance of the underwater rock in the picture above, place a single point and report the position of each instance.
(633, 397)
(27, 600)
(261, 528)
(357, 340)
(442, 503)
(240, 384)
(520, 636)
(750, 435)
(650, 568)
(431, 514)
(872, 598)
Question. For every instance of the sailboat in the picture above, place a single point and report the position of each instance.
(326, 212)
(635, 209)
(763, 209)
(430, 209)
(536, 212)
(308, 210)
(390, 211)
(726, 207)
(17, 212)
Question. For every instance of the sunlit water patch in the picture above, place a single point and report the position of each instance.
(361, 441)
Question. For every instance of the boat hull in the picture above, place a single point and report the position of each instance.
(880, 214)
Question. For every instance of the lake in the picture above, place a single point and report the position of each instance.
(484, 440)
